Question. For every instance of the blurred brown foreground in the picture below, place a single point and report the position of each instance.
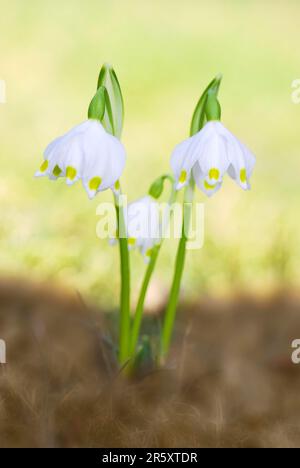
(229, 383)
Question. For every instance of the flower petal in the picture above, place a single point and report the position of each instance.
(143, 225)
(208, 188)
(183, 159)
(86, 152)
(213, 160)
(241, 160)
(241, 163)
(104, 157)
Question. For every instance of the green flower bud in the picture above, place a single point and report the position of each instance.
(157, 187)
(114, 112)
(198, 119)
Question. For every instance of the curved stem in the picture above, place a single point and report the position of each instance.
(170, 314)
(124, 333)
(141, 301)
(147, 278)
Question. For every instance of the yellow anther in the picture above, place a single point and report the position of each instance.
(131, 241)
(117, 185)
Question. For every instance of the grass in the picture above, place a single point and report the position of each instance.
(164, 54)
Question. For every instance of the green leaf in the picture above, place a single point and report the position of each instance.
(144, 360)
(114, 112)
(199, 117)
(97, 105)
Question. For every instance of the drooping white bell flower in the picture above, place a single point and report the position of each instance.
(86, 152)
(142, 224)
(208, 155)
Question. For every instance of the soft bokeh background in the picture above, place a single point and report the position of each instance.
(164, 53)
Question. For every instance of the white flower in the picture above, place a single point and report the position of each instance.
(142, 224)
(208, 155)
(86, 152)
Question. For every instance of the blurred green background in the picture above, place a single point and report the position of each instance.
(164, 53)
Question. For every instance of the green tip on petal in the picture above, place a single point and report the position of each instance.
(95, 183)
(182, 177)
(71, 172)
(208, 186)
(214, 173)
(44, 166)
(57, 171)
(243, 175)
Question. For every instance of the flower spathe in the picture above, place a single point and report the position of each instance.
(142, 225)
(86, 152)
(208, 155)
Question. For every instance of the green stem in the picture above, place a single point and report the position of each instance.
(141, 300)
(198, 121)
(147, 278)
(170, 314)
(124, 333)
